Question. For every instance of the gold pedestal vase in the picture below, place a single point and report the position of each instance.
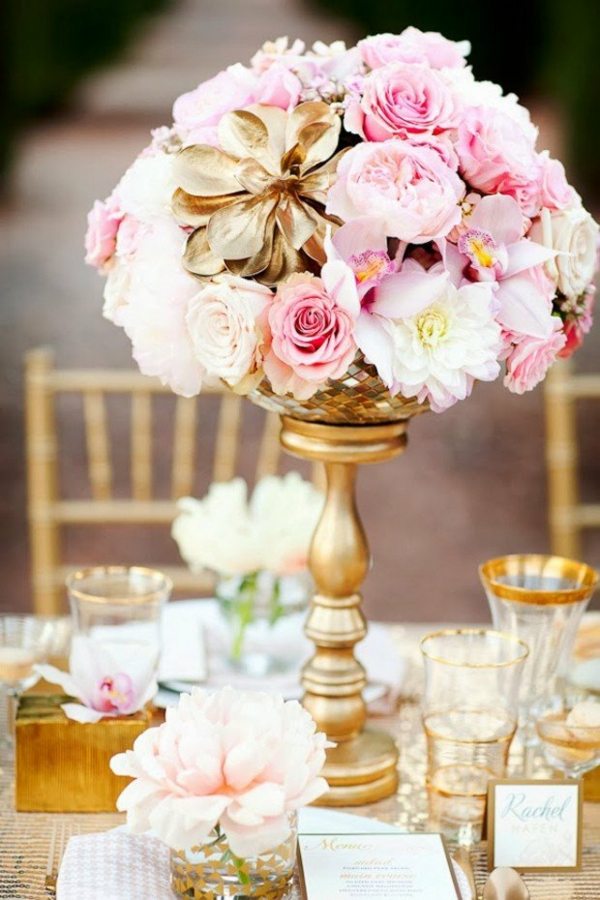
(353, 421)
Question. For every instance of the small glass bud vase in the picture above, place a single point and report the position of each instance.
(263, 615)
(212, 872)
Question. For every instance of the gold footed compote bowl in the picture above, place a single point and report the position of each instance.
(353, 421)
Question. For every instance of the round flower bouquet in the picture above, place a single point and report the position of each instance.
(350, 237)
(338, 222)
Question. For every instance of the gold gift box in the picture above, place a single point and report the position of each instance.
(62, 765)
(591, 786)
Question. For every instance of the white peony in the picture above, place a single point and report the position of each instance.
(574, 234)
(146, 188)
(230, 535)
(217, 532)
(153, 309)
(222, 319)
(470, 92)
(440, 351)
(116, 291)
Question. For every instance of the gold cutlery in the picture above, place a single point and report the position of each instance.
(505, 884)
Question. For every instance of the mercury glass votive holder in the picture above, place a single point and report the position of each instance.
(470, 712)
(212, 871)
(118, 605)
(540, 599)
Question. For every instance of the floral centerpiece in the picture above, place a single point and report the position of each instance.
(322, 211)
(259, 550)
(220, 782)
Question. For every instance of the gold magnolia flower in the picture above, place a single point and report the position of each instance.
(258, 204)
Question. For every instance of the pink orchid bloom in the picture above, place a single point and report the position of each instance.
(359, 248)
(109, 679)
(493, 249)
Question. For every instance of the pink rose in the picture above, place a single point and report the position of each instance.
(556, 192)
(311, 336)
(197, 113)
(277, 86)
(414, 46)
(497, 155)
(409, 188)
(530, 359)
(401, 98)
(103, 220)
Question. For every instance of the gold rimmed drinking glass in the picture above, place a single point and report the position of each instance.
(120, 605)
(540, 599)
(470, 713)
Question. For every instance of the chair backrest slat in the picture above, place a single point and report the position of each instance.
(226, 441)
(49, 511)
(141, 446)
(96, 434)
(184, 447)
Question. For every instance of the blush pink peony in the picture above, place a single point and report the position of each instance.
(497, 154)
(409, 188)
(414, 46)
(311, 334)
(197, 113)
(103, 220)
(235, 761)
(401, 99)
(530, 359)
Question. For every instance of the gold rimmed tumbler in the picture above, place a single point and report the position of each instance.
(120, 607)
(470, 713)
(540, 599)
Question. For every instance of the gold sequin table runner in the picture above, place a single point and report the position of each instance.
(31, 844)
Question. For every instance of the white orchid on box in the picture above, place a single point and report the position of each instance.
(108, 680)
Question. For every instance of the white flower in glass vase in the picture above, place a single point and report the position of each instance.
(259, 549)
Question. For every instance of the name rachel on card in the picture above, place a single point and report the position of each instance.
(376, 867)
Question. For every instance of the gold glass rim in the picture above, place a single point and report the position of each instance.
(456, 632)
(585, 577)
(157, 593)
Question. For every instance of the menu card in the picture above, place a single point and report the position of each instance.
(371, 866)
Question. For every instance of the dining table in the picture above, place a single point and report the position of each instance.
(32, 844)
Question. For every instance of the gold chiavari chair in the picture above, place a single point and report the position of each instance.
(568, 516)
(49, 512)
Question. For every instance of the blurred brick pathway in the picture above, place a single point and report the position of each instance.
(472, 483)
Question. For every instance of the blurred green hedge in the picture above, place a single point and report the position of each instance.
(49, 45)
(547, 46)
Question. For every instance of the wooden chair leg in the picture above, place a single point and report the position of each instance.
(42, 482)
(562, 461)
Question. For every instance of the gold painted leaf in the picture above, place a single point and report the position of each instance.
(199, 258)
(196, 211)
(205, 171)
(238, 231)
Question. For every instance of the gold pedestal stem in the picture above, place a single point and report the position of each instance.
(363, 766)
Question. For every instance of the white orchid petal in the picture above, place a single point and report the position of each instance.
(524, 255)
(64, 679)
(83, 714)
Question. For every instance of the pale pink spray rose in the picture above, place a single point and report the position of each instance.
(497, 154)
(414, 46)
(400, 99)
(278, 86)
(409, 188)
(556, 192)
(103, 220)
(530, 359)
(311, 324)
(233, 760)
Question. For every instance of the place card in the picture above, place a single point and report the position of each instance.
(378, 866)
(534, 825)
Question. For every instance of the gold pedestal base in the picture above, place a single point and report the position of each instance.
(361, 770)
(362, 767)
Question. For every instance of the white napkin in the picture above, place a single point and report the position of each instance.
(194, 642)
(116, 865)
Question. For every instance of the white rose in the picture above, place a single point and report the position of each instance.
(574, 234)
(222, 320)
(146, 188)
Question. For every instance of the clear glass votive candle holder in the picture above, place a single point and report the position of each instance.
(541, 600)
(120, 605)
(470, 714)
